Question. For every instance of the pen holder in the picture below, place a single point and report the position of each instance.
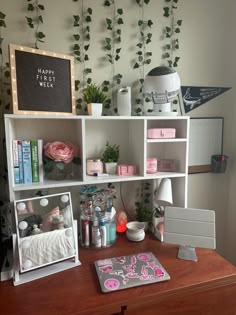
(219, 163)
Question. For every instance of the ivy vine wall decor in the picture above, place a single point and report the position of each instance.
(35, 19)
(170, 32)
(82, 38)
(143, 55)
(113, 49)
(114, 43)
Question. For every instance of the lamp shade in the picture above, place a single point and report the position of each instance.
(163, 195)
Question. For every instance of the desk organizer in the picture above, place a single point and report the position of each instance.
(157, 133)
(219, 163)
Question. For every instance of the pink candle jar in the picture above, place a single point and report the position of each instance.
(94, 166)
(151, 165)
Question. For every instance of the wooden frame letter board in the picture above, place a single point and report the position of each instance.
(42, 82)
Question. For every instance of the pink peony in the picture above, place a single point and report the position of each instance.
(60, 151)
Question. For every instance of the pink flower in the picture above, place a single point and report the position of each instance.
(60, 151)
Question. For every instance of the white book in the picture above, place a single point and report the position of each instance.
(16, 168)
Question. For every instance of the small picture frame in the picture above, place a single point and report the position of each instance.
(42, 82)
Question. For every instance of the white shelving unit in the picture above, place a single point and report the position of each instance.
(92, 133)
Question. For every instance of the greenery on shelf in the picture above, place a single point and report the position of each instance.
(143, 55)
(34, 21)
(144, 211)
(81, 47)
(111, 153)
(93, 94)
(113, 49)
(171, 31)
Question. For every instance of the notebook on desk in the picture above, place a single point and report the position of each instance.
(124, 272)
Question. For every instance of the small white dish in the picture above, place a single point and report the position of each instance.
(135, 231)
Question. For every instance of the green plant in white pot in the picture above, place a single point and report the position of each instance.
(110, 157)
(94, 97)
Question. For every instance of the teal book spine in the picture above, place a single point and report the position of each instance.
(40, 158)
(27, 167)
(34, 160)
(20, 158)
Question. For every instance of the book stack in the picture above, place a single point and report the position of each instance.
(28, 161)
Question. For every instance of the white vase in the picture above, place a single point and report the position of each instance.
(111, 168)
(94, 109)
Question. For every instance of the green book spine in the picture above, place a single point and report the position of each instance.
(35, 161)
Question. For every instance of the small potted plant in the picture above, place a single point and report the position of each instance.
(144, 212)
(94, 97)
(110, 157)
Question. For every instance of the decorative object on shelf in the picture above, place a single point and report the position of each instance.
(161, 133)
(94, 166)
(124, 101)
(151, 165)
(110, 157)
(94, 97)
(135, 231)
(59, 159)
(49, 78)
(127, 170)
(162, 84)
(167, 165)
(121, 221)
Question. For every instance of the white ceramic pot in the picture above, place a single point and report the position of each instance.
(94, 109)
(135, 231)
(111, 168)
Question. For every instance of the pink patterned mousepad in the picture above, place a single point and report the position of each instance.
(129, 271)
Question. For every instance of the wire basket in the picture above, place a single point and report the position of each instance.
(219, 163)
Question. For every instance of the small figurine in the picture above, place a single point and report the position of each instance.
(36, 230)
(58, 222)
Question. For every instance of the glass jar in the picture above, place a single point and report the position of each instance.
(94, 166)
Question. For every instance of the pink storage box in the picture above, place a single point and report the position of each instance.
(157, 133)
(127, 170)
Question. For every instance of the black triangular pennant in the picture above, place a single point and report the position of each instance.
(195, 96)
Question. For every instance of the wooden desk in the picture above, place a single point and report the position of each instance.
(204, 287)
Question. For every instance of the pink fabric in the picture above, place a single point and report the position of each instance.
(47, 219)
